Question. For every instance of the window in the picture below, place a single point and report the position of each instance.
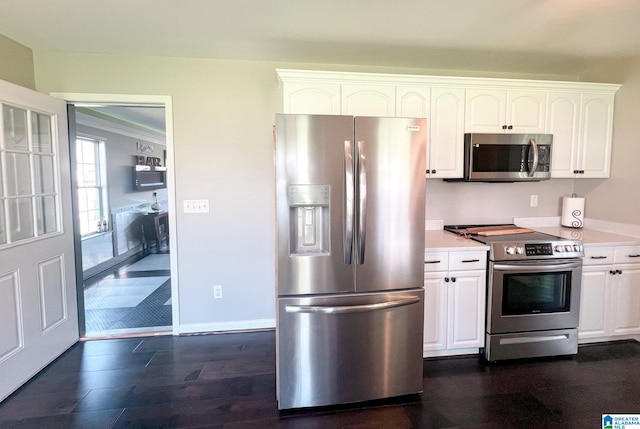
(92, 185)
(29, 200)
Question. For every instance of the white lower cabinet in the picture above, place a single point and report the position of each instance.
(610, 295)
(455, 290)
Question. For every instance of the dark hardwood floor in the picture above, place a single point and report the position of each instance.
(227, 381)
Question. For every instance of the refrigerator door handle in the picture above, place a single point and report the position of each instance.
(362, 202)
(347, 238)
(344, 309)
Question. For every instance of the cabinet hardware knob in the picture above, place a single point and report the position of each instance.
(618, 271)
(453, 279)
(433, 171)
(510, 127)
(612, 272)
(504, 127)
(446, 279)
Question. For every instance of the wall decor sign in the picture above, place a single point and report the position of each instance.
(145, 148)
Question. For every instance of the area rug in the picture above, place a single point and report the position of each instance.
(121, 293)
(154, 262)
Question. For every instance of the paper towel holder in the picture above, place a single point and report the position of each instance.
(572, 211)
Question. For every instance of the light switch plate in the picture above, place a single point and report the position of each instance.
(196, 206)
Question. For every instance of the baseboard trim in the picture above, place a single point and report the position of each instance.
(236, 325)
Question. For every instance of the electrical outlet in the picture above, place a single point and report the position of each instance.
(217, 292)
(534, 201)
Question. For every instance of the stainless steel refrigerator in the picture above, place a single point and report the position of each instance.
(350, 204)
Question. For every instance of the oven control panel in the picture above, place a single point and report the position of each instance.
(506, 251)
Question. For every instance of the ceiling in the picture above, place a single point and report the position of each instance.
(561, 36)
(146, 118)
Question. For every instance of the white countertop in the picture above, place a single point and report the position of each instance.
(590, 237)
(444, 241)
(440, 240)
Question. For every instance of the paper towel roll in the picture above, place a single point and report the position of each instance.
(572, 212)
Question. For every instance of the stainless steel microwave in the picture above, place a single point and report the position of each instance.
(507, 157)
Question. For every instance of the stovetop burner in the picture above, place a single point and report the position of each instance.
(523, 244)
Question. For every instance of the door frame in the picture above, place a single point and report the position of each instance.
(141, 100)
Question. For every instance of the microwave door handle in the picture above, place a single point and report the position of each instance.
(534, 165)
(347, 239)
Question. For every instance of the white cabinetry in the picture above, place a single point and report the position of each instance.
(581, 124)
(317, 98)
(511, 111)
(563, 116)
(610, 296)
(445, 149)
(580, 115)
(368, 100)
(455, 288)
(596, 125)
(412, 102)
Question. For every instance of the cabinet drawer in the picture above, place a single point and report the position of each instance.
(626, 255)
(475, 260)
(598, 255)
(436, 261)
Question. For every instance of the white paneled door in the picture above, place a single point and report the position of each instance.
(38, 309)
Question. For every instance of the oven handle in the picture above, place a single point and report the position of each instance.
(537, 267)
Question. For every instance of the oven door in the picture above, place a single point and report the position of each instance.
(529, 296)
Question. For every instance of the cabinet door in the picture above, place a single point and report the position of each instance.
(625, 308)
(368, 100)
(526, 111)
(412, 102)
(445, 148)
(563, 113)
(316, 98)
(435, 311)
(466, 302)
(596, 122)
(594, 301)
(485, 110)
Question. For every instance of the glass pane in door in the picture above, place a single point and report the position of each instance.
(43, 174)
(18, 175)
(41, 133)
(46, 215)
(15, 128)
(20, 218)
(3, 231)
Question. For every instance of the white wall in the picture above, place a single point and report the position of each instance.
(223, 116)
(16, 63)
(478, 203)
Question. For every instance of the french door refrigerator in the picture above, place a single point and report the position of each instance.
(350, 205)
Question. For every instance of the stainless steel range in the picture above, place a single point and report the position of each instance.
(533, 292)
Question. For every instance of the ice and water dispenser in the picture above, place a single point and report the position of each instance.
(309, 219)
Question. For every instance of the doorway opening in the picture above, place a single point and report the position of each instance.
(123, 217)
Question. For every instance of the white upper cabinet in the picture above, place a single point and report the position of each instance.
(316, 98)
(412, 102)
(505, 111)
(596, 126)
(445, 150)
(563, 115)
(581, 125)
(368, 100)
(578, 114)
